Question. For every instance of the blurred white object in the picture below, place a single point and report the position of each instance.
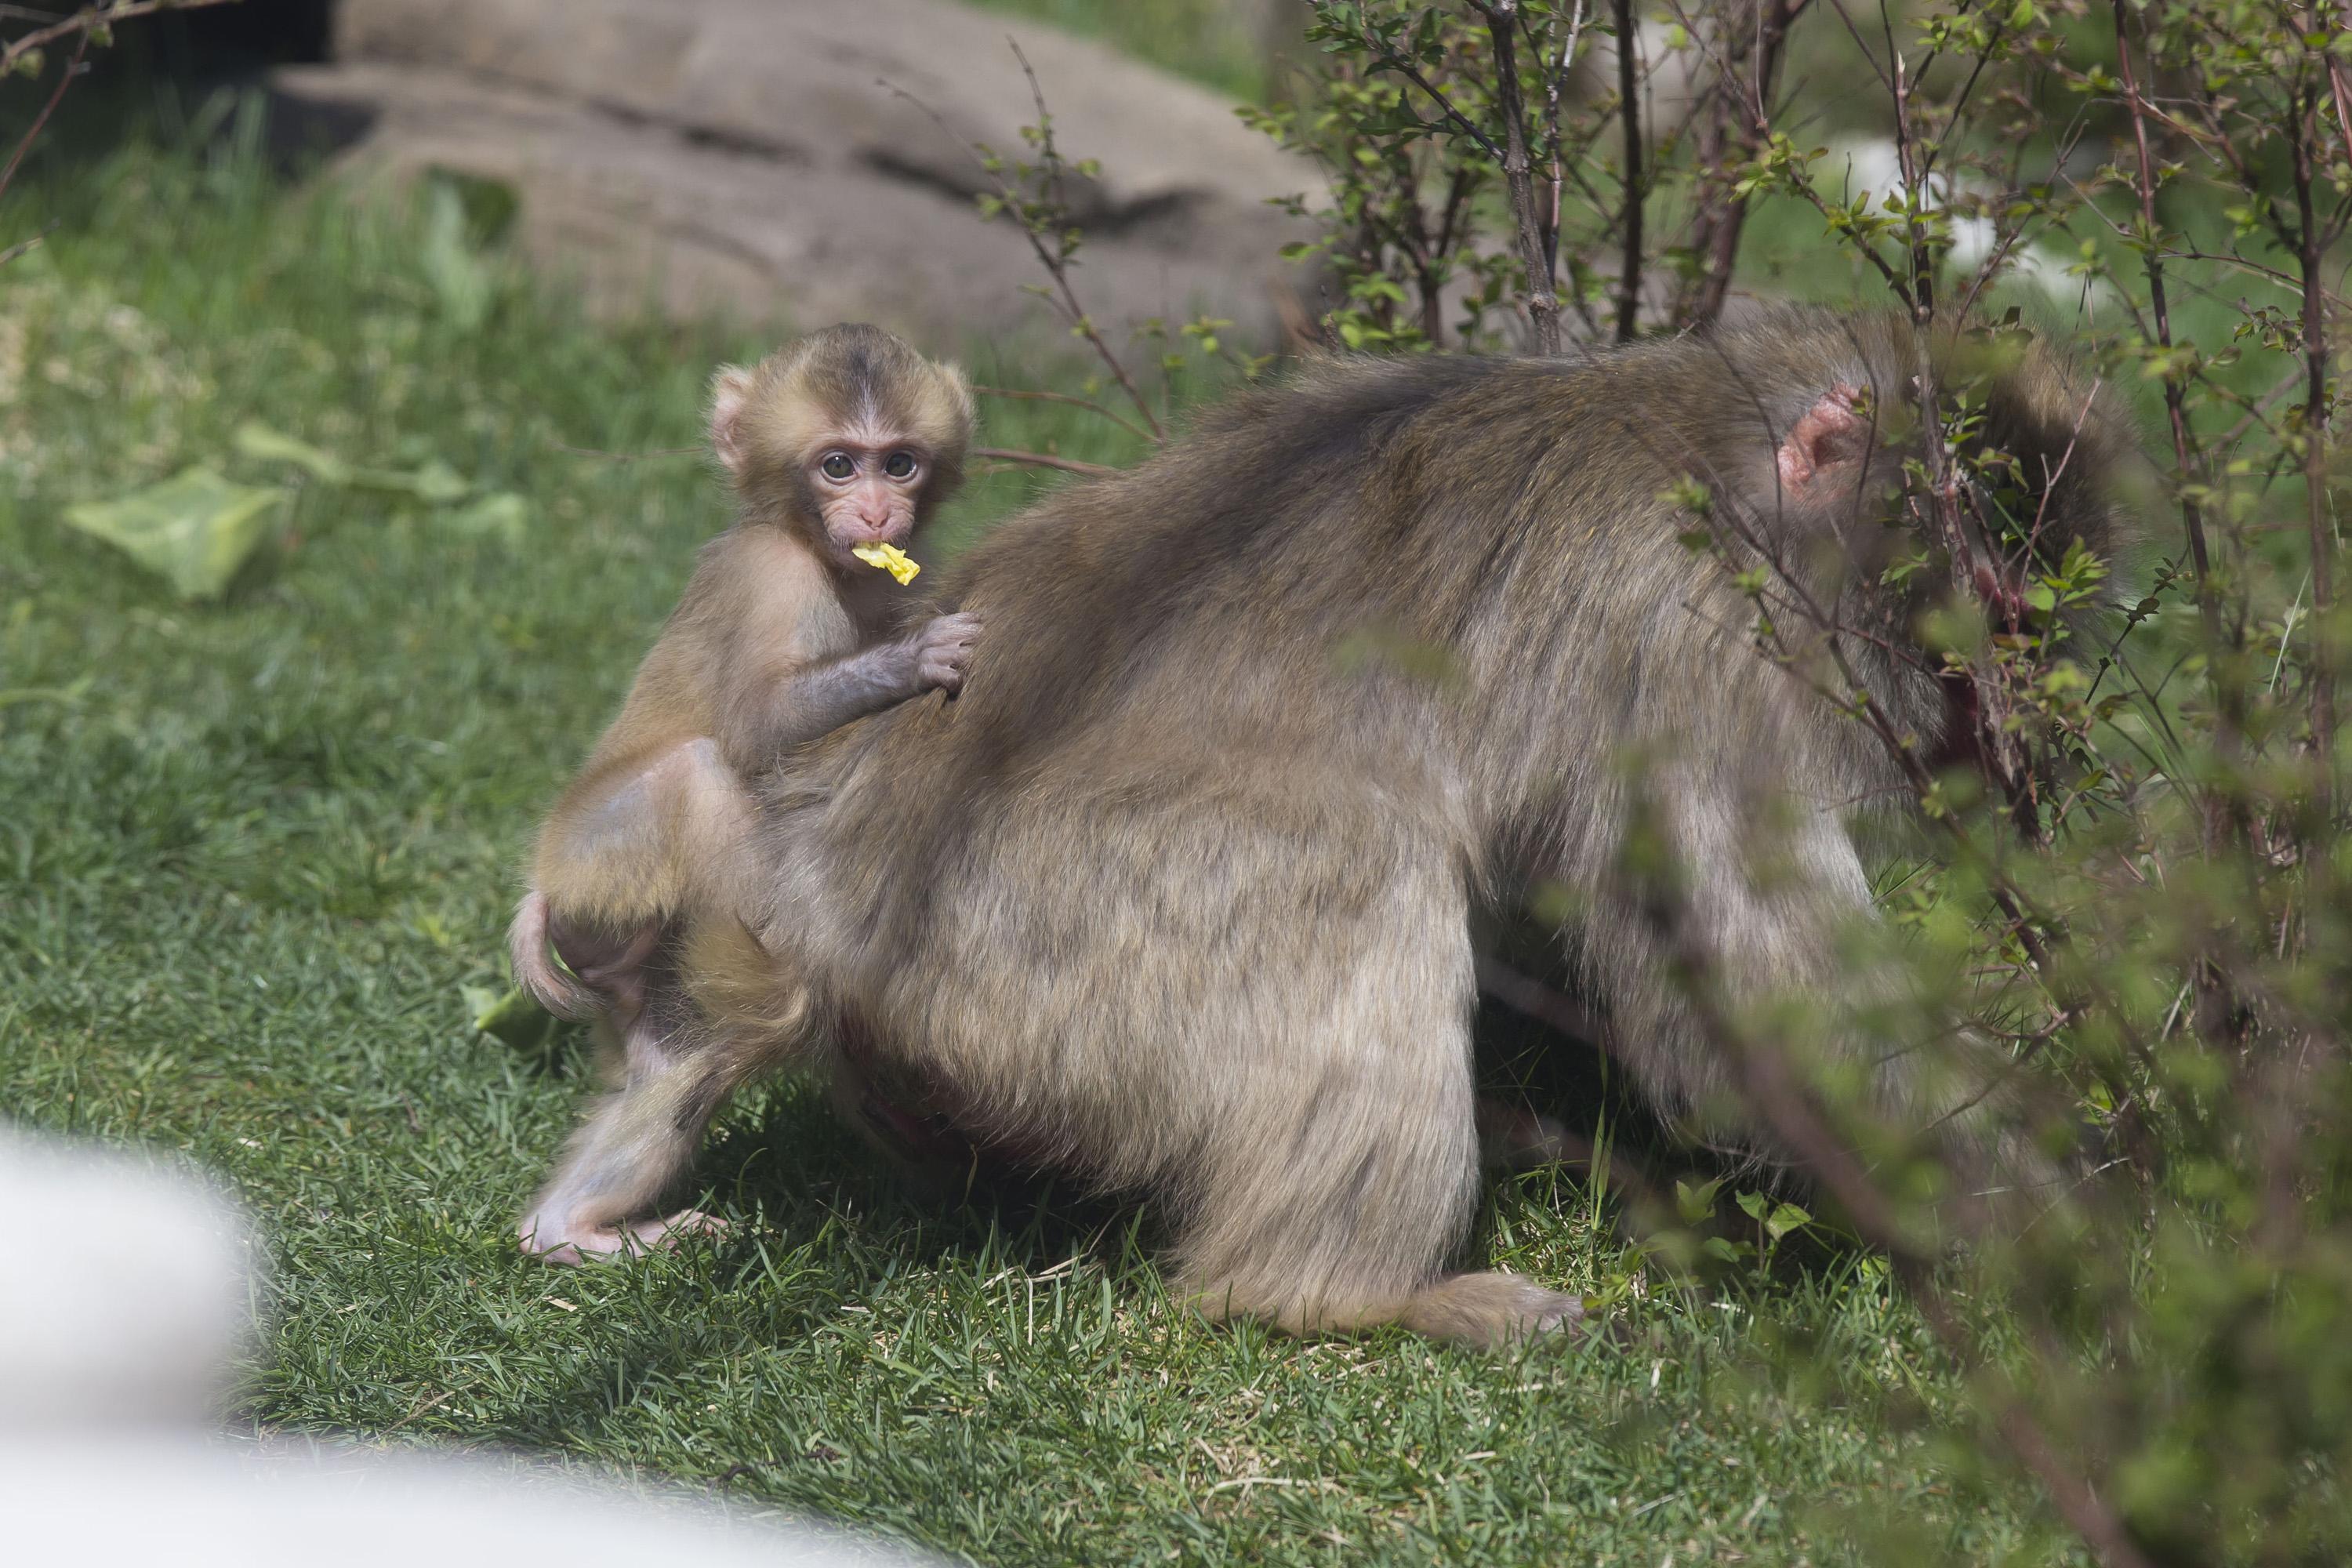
(138, 1500)
(125, 1294)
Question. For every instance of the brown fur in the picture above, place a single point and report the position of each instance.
(1178, 894)
(779, 637)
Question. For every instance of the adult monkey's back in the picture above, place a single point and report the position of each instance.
(1178, 894)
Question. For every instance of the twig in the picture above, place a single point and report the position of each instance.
(2336, 85)
(1518, 176)
(1629, 110)
(1789, 1110)
(2310, 254)
(1059, 267)
(1917, 193)
(2175, 405)
(1089, 404)
(24, 144)
(1056, 267)
(1045, 460)
(1389, 60)
(1723, 215)
(1546, 1005)
(628, 457)
(30, 242)
(82, 21)
(2221, 822)
(1555, 79)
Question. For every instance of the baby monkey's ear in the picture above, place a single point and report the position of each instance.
(1825, 451)
(731, 391)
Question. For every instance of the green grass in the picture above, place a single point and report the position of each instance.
(1205, 39)
(250, 852)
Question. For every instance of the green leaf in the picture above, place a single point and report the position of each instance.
(195, 530)
(503, 515)
(510, 1015)
(1755, 1205)
(435, 484)
(258, 441)
(438, 484)
(1695, 1203)
(1786, 1218)
(460, 280)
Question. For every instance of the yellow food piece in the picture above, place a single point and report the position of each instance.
(890, 558)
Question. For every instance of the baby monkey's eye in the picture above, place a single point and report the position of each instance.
(898, 464)
(838, 465)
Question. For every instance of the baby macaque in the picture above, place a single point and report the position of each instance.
(839, 447)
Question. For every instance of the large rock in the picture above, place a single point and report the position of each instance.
(753, 155)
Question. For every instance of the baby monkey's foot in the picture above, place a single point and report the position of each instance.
(683, 1226)
(551, 1242)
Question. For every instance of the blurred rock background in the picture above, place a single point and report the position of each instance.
(805, 160)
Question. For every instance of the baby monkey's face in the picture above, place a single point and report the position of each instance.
(870, 491)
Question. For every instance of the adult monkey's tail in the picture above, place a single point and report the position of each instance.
(743, 991)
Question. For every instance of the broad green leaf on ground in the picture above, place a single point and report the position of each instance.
(195, 530)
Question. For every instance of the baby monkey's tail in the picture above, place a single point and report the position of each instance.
(536, 970)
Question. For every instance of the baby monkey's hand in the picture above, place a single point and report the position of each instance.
(941, 647)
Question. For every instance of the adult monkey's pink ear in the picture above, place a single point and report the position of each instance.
(1827, 445)
(730, 390)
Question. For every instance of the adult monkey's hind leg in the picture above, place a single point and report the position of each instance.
(638, 1140)
(1334, 1193)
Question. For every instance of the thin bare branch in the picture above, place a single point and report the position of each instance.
(566, 447)
(81, 22)
(1025, 394)
(1518, 176)
(1064, 294)
(1628, 113)
(30, 242)
(1044, 460)
(33, 132)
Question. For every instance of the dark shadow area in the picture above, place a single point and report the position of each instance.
(249, 35)
(175, 76)
(1539, 1046)
(787, 1154)
(779, 1155)
(781, 1151)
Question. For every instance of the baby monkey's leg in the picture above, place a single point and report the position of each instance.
(616, 867)
(639, 1137)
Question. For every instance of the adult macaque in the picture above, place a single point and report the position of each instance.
(840, 444)
(1179, 896)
